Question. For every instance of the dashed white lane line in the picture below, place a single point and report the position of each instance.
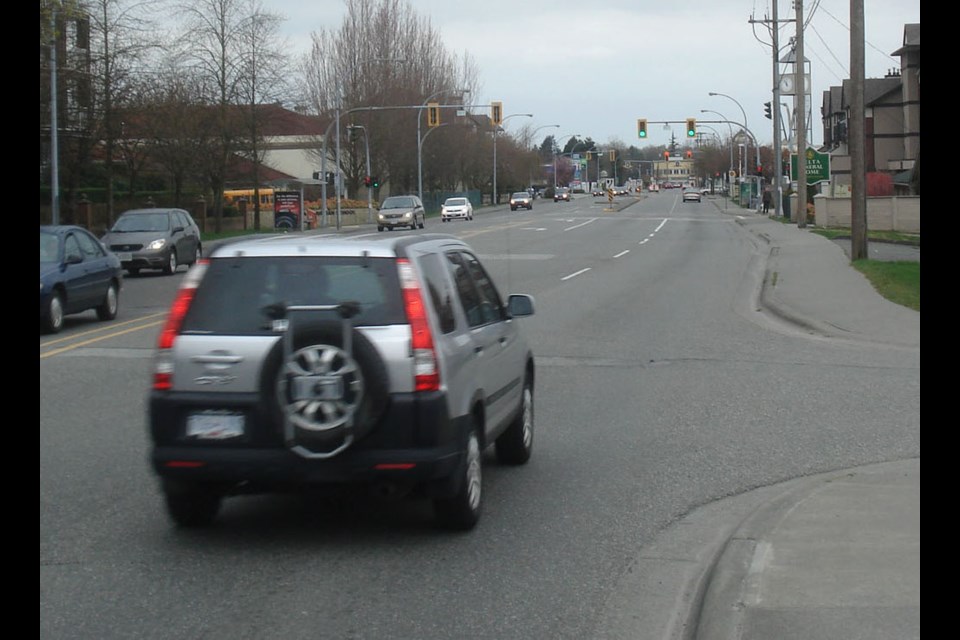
(575, 274)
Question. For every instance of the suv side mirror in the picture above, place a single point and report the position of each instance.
(520, 305)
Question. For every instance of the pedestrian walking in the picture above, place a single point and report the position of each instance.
(767, 199)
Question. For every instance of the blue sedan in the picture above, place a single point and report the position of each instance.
(76, 274)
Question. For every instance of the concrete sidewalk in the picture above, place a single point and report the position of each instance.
(834, 556)
(809, 282)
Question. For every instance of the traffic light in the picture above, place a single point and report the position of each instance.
(759, 169)
(433, 114)
(375, 182)
(689, 153)
(691, 127)
(316, 175)
(367, 181)
(496, 113)
(767, 110)
(613, 155)
(666, 155)
(589, 156)
(642, 128)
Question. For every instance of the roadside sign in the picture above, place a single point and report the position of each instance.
(818, 166)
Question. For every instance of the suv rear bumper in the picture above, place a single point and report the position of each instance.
(399, 448)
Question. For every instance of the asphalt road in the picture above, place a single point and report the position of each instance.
(656, 394)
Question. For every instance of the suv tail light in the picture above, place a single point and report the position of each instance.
(163, 363)
(426, 377)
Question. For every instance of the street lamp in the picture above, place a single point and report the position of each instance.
(497, 128)
(336, 123)
(420, 140)
(557, 146)
(546, 126)
(534, 133)
(744, 114)
(366, 142)
(729, 126)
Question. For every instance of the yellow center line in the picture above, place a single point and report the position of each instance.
(112, 334)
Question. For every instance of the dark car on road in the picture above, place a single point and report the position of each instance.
(76, 274)
(562, 193)
(155, 239)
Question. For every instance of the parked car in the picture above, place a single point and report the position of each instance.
(348, 360)
(562, 193)
(691, 195)
(400, 211)
(521, 199)
(77, 273)
(456, 209)
(159, 238)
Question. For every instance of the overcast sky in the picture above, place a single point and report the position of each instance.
(594, 68)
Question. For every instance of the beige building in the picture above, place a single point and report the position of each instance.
(676, 169)
(892, 120)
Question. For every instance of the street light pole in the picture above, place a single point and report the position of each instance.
(497, 128)
(745, 128)
(557, 146)
(366, 142)
(730, 128)
(546, 126)
(533, 133)
(337, 186)
(420, 140)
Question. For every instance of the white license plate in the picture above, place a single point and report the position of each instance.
(125, 257)
(215, 425)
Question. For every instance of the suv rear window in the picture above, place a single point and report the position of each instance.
(234, 292)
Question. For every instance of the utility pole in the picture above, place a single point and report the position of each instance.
(801, 117)
(775, 114)
(856, 141)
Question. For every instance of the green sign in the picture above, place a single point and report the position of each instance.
(818, 166)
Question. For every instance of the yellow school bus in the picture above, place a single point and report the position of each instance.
(232, 196)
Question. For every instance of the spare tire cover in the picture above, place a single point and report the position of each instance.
(325, 392)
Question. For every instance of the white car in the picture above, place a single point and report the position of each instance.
(691, 195)
(456, 209)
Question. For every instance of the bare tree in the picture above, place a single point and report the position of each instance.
(179, 128)
(382, 55)
(261, 80)
(121, 34)
(211, 49)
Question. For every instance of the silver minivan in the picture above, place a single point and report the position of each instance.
(294, 362)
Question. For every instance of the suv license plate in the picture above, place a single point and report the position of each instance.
(215, 425)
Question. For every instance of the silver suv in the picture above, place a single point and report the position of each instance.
(293, 362)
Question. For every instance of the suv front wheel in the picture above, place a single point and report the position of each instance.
(515, 445)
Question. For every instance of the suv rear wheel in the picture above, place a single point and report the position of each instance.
(462, 510)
